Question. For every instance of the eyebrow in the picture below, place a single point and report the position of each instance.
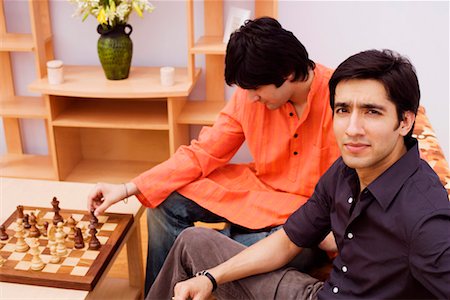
(364, 105)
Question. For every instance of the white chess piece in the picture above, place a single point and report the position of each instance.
(61, 249)
(55, 258)
(36, 262)
(21, 246)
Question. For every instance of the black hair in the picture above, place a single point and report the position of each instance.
(261, 52)
(394, 71)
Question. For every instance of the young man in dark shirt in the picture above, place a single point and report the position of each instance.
(386, 208)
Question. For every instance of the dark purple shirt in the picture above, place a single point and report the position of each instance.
(393, 237)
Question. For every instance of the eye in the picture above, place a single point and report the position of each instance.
(373, 112)
(340, 110)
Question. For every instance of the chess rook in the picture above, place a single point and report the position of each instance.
(20, 211)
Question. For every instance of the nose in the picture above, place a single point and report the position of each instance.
(355, 125)
(253, 96)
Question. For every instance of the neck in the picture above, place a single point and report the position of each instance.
(368, 175)
(299, 96)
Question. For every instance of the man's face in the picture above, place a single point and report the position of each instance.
(271, 96)
(366, 126)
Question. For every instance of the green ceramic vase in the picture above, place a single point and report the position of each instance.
(115, 50)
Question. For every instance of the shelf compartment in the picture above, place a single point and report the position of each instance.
(210, 45)
(90, 82)
(24, 107)
(200, 112)
(93, 154)
(16, 42)
(101, 113)
(27, 165)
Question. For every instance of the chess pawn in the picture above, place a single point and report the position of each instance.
(78, 239)
(71, 223)
(34, 231)
(94, 243)
(54, 259)
(3, 235)
(61, 249)
(44, 229)
(21, 246)
(26, 224)
(36, 262)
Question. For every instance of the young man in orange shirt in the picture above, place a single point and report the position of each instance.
(281, 110)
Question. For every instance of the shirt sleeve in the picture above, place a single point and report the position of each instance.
(430, 253)
(311, 223)
(214, 147)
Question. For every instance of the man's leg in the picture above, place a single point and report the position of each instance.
(306, 261)
(165, 223)
(198, 249)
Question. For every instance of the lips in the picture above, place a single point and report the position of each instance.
(356, 147)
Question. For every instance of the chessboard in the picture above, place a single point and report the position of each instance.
(78, 269)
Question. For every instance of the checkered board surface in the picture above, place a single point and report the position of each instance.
(81, 268)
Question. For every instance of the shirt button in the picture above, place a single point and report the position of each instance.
(344, 269)
(350, 200)
(295, 152)
(350, 235)
(291, 114)
(296, 135)
(335, 290)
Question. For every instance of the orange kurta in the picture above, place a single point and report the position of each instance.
(289, 154)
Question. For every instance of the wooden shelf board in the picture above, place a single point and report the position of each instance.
(25, 165)
(23, 107)
(16, 42)
(90, 81)
(115, 171)
(200, 112)
(210, 45)
(114, 115)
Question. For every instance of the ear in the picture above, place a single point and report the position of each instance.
(407, 122)
(290, 77)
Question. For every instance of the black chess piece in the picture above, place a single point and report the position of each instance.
(94, 219)
(26, 224)
(20, 212)
(78, 240)
(57, 217)
(94, 243)
(3, 235)
(45, 229)
(33, 232)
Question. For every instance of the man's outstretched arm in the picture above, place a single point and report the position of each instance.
(267, 255)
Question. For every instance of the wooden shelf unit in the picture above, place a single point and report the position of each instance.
(15, 162)
(113, 130)
(204, 112)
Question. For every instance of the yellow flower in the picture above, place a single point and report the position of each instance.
(137, 9)
(101, 18)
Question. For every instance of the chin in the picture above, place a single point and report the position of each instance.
(355, 162)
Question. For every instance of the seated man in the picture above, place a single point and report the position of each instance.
(386, 208)
(281, 110)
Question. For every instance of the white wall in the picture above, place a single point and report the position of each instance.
(331, 31)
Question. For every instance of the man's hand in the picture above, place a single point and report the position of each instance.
(103, 195)
(197, 288)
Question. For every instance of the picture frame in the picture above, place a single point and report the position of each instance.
(235, 19)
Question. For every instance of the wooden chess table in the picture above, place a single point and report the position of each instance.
(82, 274)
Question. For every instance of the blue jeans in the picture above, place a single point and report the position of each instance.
(177, 213)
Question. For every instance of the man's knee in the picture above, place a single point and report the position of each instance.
(196, 235)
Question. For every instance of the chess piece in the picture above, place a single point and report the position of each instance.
(34, 231)
(44, 229)
(94, 243)
(71, 223)
(36, 262)
(21, 246)
(54, 259)
(61, 249)
(26, 224)
(94, 219)
(3, 235)
(78, 239)
(2, 260)
(57, 217)
(20, 211)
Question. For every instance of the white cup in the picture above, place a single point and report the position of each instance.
(167, 76)
(55, 72)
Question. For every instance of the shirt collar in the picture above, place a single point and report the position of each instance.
(388, 184)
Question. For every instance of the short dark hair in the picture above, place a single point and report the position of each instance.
(393, 70)
(261, 52)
